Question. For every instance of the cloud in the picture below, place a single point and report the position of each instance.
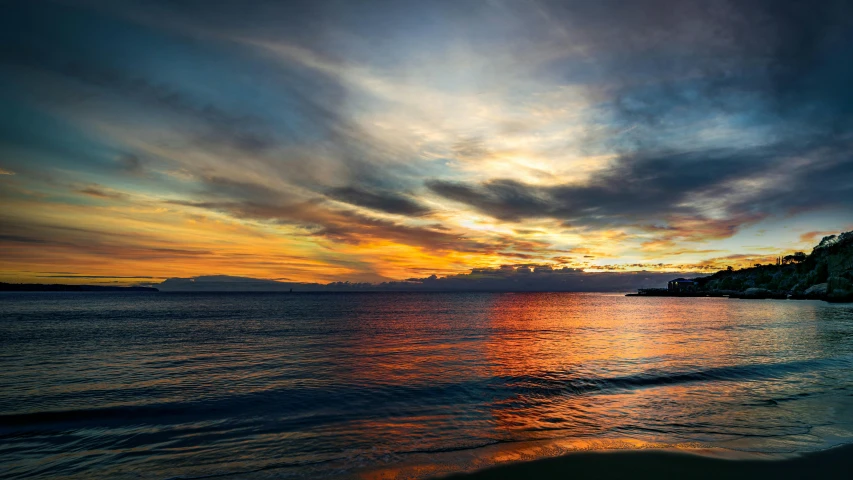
(351, 227)
(388, 202)
(21, 239)
(219, 126)
(3, 171)
(93, 276)
(502, 199)
(132, 164)
(91, 242)
(102, 193)
(694, 195)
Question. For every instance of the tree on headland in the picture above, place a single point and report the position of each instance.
(795, 258)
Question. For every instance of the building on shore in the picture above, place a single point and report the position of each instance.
(681, 285)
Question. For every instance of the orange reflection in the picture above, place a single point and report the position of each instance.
(559, 350)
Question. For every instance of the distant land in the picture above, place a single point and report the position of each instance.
(824, 274)
(37, 287)
(507, 279)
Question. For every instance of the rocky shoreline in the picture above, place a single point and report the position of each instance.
(749, 294)
(825, 274)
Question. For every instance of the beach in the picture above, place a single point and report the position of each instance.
(640, 464)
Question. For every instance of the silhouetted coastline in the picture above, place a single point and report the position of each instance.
(825, 274)
(38, 287)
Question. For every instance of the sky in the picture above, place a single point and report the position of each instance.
(327, 141)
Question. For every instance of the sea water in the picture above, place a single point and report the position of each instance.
(167, 385)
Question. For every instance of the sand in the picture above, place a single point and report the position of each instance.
(833, 463)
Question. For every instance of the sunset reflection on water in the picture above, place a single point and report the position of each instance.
(597, 372)
(547, 342)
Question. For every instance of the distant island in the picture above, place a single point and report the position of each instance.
(505, 279)
(825, 274)
(38, 287)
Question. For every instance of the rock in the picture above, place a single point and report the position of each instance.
(730, 293)
(824, 274)
(840, 295)
(838, 283)
(816, 291)
(756, 293)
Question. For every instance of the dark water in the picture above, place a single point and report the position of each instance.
(405, 385)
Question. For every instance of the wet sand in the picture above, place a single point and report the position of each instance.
(833, 463)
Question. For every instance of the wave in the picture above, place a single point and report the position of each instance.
(297, 408)
(547, 384)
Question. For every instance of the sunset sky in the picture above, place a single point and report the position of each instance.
(368, 141)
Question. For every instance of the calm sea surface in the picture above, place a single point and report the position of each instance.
(377, 385)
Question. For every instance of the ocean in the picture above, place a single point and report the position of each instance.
(406, 385)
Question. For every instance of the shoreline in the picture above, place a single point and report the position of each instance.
(612, 458)
(738, 296)
(836, 462)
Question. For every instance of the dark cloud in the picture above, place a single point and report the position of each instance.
(503, 199)
(784, 64)
(102, 193)
(631, 187)
(351, 227)
(222, 189)
(71, 241)
(132, 164)
(677, 188)
(245, 132)
(317, 217)
(340, 225)
(21, 239)
(388, 202)
(90, 276)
